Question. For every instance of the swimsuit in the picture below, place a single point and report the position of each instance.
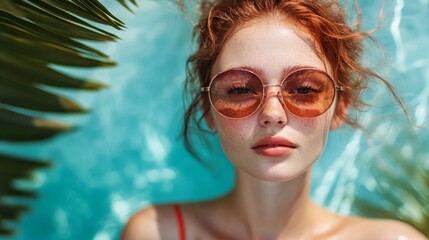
(180, 222)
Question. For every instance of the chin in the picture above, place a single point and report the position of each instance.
(279, 175)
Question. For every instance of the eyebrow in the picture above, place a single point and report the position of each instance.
(286, 71)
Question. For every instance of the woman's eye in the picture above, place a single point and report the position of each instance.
(239, 90)
(303, 90)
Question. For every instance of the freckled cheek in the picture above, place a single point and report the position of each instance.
(315, 132)
(234, 132)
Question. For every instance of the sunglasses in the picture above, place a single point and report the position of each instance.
(238, 93)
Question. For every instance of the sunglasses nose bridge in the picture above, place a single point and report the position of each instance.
(269, 93)
(276, 92)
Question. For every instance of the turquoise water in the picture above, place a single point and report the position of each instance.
(127, 154)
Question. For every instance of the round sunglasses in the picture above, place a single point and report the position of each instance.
(238, 93)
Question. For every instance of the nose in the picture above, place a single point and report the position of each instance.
(273, 110)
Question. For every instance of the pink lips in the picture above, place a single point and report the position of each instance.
(274, 146)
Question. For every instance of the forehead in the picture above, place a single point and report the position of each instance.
(270, 44)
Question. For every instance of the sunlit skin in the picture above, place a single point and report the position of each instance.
(271, 196)
(273, 50)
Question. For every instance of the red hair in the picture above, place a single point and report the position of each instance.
(323, 22)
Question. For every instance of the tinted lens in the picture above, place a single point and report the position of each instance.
(308, 92)
(236, 93)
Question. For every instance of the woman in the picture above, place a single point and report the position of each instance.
(271, 78)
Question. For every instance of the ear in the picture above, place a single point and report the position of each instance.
(210, 122)
(208, 117)
(340, 113)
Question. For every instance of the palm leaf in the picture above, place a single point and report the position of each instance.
(17, 127)
(47, 76)
(35, 37)
(402, 184)
(11, 169)
(124, 3)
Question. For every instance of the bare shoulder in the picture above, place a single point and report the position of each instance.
(364, 228)
(155, 222)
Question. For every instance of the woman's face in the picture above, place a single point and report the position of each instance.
(271, 144)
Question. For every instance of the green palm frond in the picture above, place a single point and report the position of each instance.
(124, 3)
(35, 37)
(12, 168)
(402, 184)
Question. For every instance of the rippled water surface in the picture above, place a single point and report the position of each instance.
(127, 152)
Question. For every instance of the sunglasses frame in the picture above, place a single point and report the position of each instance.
(264, 92)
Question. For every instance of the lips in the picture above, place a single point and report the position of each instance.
(274, 146)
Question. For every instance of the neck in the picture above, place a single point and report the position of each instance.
(269, 209)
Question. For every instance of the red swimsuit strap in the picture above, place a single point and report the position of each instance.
(180, 221)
